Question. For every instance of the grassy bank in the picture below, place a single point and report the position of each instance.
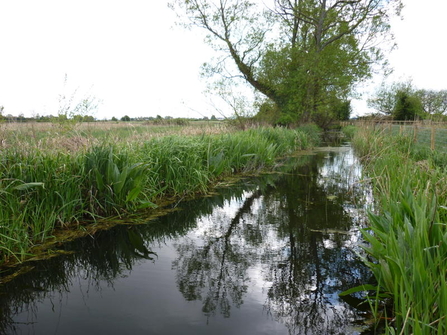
(44, 186)
(408, 235)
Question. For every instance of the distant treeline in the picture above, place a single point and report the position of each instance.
(89, 118)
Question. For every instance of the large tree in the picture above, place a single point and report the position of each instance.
(303, 55)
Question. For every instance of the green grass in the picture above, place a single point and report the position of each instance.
(407, 239)
(46, 187)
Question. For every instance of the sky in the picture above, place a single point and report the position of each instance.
(134, 58)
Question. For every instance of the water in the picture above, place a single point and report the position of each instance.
(268, 256)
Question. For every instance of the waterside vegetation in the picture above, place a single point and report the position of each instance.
(48, 184)
(407, 238)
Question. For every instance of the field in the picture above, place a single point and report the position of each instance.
(66, 176)
(425, 133)
(74, 136)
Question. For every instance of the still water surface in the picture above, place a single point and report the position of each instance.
(268, 256)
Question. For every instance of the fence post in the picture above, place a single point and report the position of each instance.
(433, 133)
(415, 132)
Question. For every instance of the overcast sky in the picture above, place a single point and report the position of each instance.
(132, 56)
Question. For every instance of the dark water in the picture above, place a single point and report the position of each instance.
(268, 256)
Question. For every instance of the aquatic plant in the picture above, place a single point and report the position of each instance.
(408, 235)
(112, 182)
(408, 245)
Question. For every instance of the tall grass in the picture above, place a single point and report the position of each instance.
(408, 238)
(46, 189)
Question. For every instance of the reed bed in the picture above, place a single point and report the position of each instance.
(44, 187)
(407, 249)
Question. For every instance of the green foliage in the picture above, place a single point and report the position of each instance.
(125, 118)
(285, 120)
(268, 113)
(343, 110)
(407, 107)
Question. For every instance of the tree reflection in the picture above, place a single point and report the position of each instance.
(215, 272)
(303, 240)
(319, 261)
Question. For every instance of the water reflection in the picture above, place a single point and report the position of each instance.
(268, 256)
(296, 237)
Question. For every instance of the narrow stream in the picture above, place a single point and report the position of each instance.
(267, 256)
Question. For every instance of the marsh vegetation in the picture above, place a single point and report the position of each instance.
(55, 178)
(408, 234)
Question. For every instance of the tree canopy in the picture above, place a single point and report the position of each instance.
(304, 56)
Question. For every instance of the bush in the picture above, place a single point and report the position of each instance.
(312, 131)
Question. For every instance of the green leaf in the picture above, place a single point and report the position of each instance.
(360, 288)
(28, 185)
(121, 180)
(133, 194)
(99, 180)
(147, 204)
